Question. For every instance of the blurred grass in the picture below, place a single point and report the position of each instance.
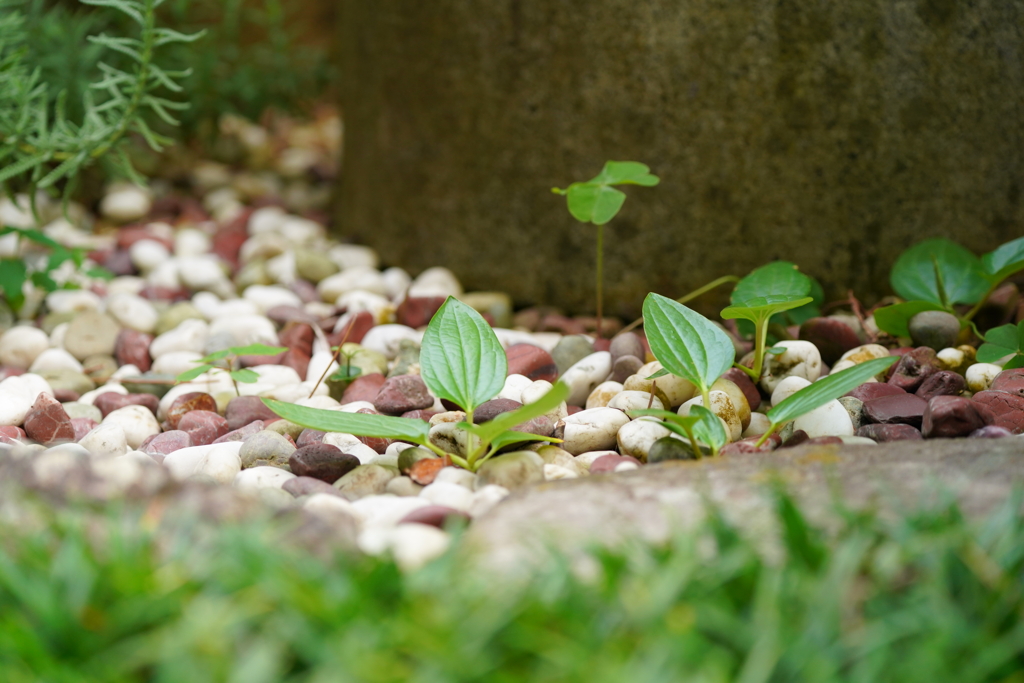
(929, 597)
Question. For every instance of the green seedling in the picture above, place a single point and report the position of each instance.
(14, 272)
(224, 361)
(938, 275)
(821, 392)
(700, 426)
(461, 360)
(597, 201)
(765, 292)
(686, 343)
(1006, 340)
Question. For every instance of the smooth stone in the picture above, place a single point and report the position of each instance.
(125, 203)
(745, 384)
(750, 445)
(898, 409)
(309, 437)
(54, 360)
(308, 486)
(941, 383)
(570, 350)
(882, 433)
(860, 354)
(138, 422)
(91, 334)
(1007, 407)
(602, 394)
(402, 393)
(871, 390)
(131, 311)
(266, 447)
(363, 388)
(436, 281)
(100, 369)
(386, 339)
(832, 337)
(81, 425)
(242, 433)
(19, 346)
(185, 403)
(176, 314)
(1010, 380)
(831, 419)
(47, 423)
(854, 408)
(404, 487)
(132, 348)
(68, 380)
(365, 480)
(800, 359)
(635, 400)
(511, 470)
(934, 329)
(190, 335)
(637, 437)
(627, 344)
(109, 402)
(322, 461)
(737, 396)
(74, 409)
(106, 440)
(590, 430)
(953, 416)
(913, 368)
(448, 495)
(980, 376)
(167, 442)
(256, 478)
(676, 390)
(203, 426)
(440, 516)
(585, 375)
(488, 410)
(416, 311)
(990, 432)
(532, 362)
(723, 407)
(611, 462)
(625, 367)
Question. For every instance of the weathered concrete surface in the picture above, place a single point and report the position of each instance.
(657, 501)
(834, 134)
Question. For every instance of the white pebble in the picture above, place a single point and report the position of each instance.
(800, 359)
(20, 345)
(448, 494)
(132, 311)
(591, 430)
(105, 440)
(980, 376)
(585, 375)
(830, 419)
(263, 477)
(138, 423)
(55, 359)
(190, 335)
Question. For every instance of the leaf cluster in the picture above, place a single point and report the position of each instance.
(462, 361)
(41, 145)
(15, 272)
(939, 274)
(1003, 341)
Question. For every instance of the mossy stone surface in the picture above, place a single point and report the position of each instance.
(830, 134)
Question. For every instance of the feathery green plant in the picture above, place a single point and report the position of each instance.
(40, 145)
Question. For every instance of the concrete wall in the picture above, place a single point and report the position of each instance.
(833, 134)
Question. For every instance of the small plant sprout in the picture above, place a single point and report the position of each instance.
(224, 361)
(686, 343)
(39, 268)
(700, 426)
(462, 361)
(821, 392)
(769, 290)
(939, 274)
(597, 201)
(1003, 341)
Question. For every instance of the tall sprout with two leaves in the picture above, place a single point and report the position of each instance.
(939, 275)
(462, 361)
(597, 201)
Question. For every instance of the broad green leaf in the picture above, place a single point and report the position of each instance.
(257, 350)
(460, 358)
(189, 375)
(659, 373)
(686, 343)
(359, 424)
(12, 276)
(1004, 260)
(708, 428)
(1000, 342)
(764, 307)
(595, 204)
(245, 375)
(827, 389)
(895, 319)
(508, 438)
(626, 173)
(963, 277)
(779, 278)
(43, 280)
(800, 315)
(596, 201)
(216, 356)
(489, 431)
